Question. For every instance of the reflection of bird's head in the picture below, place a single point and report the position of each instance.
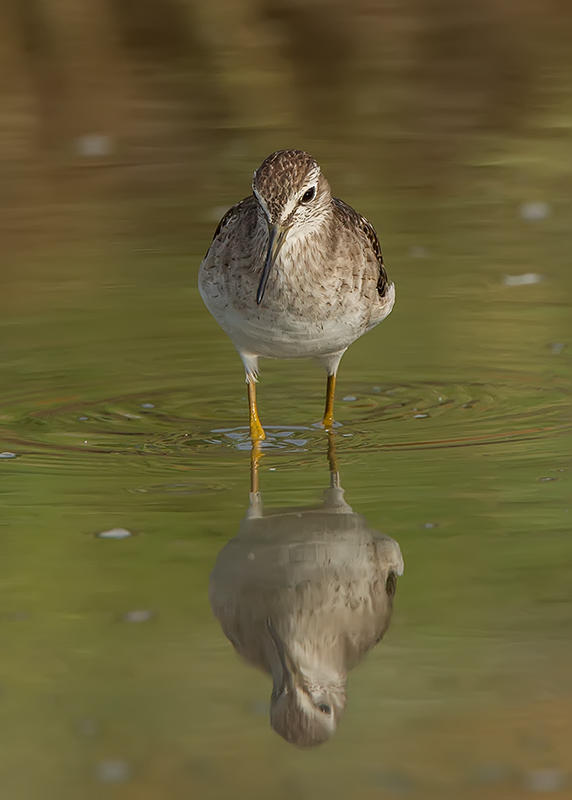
(302, 719)
(304, 708)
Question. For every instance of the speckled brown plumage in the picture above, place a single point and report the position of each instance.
(353, 218)
(282, 174)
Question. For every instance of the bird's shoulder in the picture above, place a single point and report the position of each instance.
(356, 221)
(243, 212)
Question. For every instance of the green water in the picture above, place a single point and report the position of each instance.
(124, 406)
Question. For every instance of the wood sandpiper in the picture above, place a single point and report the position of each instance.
(293, 272)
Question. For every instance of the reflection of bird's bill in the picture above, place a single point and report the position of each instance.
(276, 236)
(289, 669)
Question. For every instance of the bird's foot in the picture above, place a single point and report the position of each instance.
(256, 431)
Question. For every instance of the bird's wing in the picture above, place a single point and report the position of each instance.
(231, 215)
(367, 228)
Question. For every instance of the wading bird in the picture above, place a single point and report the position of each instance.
(293, 272)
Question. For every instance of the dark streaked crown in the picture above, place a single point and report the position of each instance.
(281, 175)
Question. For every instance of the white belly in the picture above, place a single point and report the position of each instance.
(274, 332)
(281, 336)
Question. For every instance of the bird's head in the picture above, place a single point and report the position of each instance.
(304, 708)
(294, 197)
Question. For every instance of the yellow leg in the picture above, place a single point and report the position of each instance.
(328, 420)
(256, 429)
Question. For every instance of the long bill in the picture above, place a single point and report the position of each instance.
(276, 236)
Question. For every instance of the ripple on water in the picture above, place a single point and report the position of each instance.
(169, 427)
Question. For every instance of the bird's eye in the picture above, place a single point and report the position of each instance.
(308, 195)
(325, 709)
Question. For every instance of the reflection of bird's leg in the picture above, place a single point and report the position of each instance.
(255, 455)
(255, 498)
(333, 461)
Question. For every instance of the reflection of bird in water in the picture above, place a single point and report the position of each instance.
(303, 594)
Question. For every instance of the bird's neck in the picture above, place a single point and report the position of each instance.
(305, 244)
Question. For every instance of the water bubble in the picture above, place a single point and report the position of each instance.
(492, 773)
(138, 615)
(147, 405)
(112, 771)
(15, 616)
(546, 479)
(349, 398)
(88, 727)
(114, 533)
(94, 145)
(534, 211)
(526, 279)
(418, 252)
(557, 347)
(420, 416)
(259, 709)
(544, 780)
(8, 454)
(394, 782)
(430, 525)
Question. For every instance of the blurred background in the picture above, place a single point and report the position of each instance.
(126, 130)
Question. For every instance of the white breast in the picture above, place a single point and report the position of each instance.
(310, 308)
